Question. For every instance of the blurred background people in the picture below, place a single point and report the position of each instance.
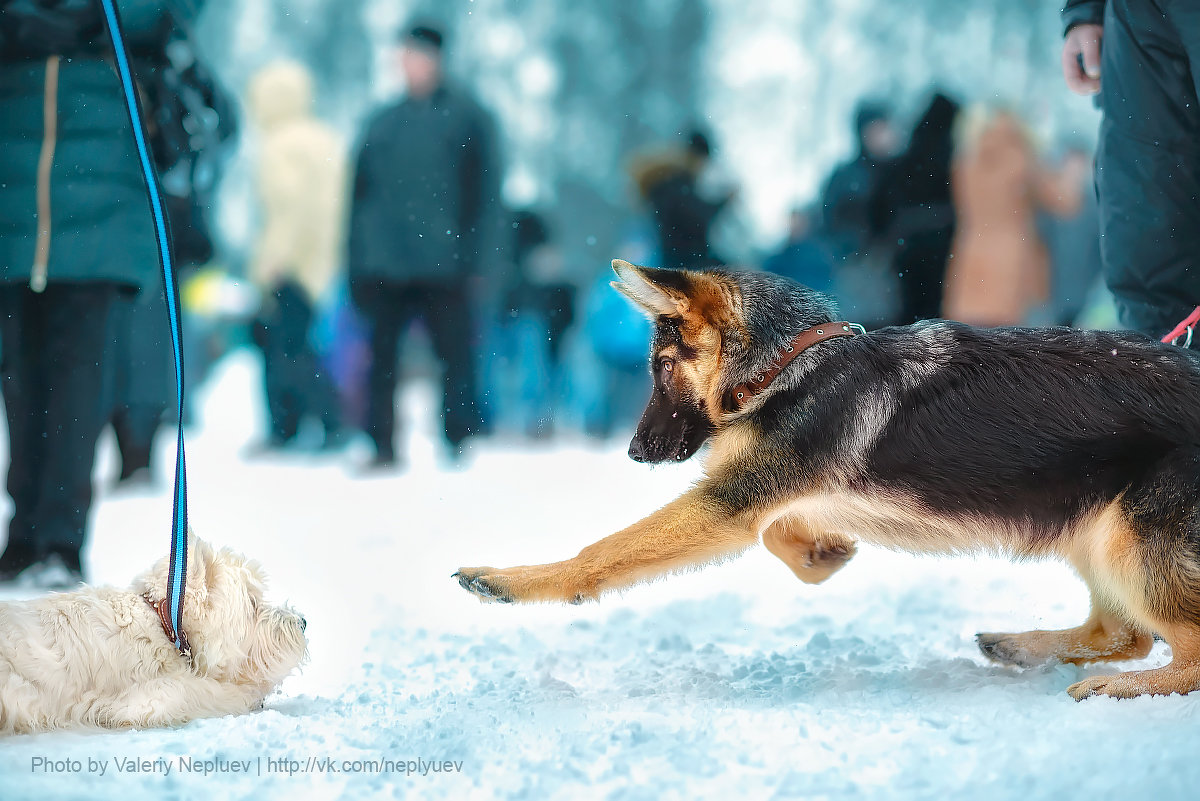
(540, 305)
(1070, 226)
(302, 183)
(522, 324)
(912, 211)
(846, 197)
(77, 237)
(804, 257)
(425, 184)
(998, 273)
(864, 283)
(669, 183)
(619, 337)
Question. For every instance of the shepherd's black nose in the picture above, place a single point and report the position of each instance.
(637, 451)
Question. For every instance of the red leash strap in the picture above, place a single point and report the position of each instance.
(1184, 328)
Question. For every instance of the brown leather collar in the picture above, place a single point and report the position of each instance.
(164, 618)
(740, 395)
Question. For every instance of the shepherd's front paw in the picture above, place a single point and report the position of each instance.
(541, 583)
(485, 583)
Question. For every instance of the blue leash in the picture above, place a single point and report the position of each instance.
(178, 568)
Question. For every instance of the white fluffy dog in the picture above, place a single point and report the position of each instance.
(100, 656)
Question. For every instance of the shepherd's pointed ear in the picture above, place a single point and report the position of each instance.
(643, 286)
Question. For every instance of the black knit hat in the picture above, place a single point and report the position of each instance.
(425, 35)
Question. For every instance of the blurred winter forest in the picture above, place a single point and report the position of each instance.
(577, 87)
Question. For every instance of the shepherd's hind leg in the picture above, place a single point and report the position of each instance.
(1103, 637)
(1148, 559)
(812, 556)
(1181, 676)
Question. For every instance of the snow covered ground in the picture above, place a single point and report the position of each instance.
(736, 681)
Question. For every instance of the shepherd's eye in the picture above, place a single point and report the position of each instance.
(668, 365)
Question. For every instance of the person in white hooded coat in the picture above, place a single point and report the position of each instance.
(301, 179)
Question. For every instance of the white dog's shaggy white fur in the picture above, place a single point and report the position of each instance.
(100, 657)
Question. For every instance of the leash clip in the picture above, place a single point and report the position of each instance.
(862, 331)
(1186, 336)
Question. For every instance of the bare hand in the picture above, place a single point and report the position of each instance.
(1083, 40)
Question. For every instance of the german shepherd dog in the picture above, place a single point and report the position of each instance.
(933, 438)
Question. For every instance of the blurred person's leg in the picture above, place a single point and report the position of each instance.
(533, 397)
(65, 362)
(503, 373)
(135, 425)
(22, 322)
(323, 401)
(311, 389)
(912, 289)
(559, 305)
(921, 266)
(75, 353)
(268, 336)
(448, 317)
(142, 373)
(383, 305)
(1148, 162)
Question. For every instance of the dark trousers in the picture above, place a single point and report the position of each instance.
(390, 307)
(143, 373)
(56, 397)
(135, 425)
(921, 269)
(295, 383)
(1148, 161)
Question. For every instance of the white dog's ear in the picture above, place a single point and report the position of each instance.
(154, 581)
(652, 290)
(199, 564)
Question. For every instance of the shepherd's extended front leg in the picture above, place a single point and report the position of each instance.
(697, 528)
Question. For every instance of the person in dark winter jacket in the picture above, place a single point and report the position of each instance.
(425, 185)
(1143, 59)
(670, 185)
(847, 196)
(912, 211)
(804, 257)
(77, 236)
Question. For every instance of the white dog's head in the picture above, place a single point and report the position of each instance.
(235, 637)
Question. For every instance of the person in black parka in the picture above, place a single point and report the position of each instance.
(913, 213)
(75, 237)
(425, 189)
(1143, 59)
(682, 214)
(846, 198)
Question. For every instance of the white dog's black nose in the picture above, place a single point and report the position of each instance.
(303, 623)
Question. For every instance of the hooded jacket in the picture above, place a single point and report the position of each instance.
(301, 182)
